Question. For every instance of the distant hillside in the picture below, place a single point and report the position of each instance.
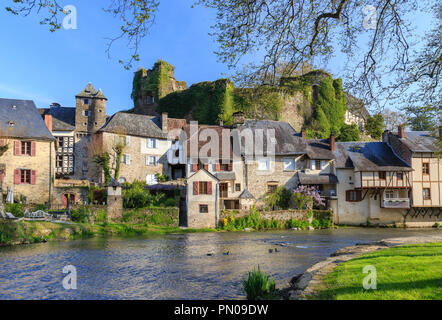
(314, 100)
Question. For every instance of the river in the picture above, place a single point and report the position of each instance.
(176, 266)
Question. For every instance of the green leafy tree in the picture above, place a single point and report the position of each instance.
(375, 126)
(349, 133)
(423, 118)
(279, 199)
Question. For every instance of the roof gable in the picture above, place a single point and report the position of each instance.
(21, 119)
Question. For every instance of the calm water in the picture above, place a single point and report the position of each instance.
(170, 266)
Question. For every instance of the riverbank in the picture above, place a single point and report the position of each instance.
(27, 232)
(397, 260)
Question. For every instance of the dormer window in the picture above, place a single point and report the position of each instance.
(11, 123)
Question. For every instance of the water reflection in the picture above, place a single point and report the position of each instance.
(170, 267)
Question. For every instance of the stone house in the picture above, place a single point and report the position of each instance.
(222, 164)
(418, 149)
(202, 201)
(27, 147)
(145, 140)
(356, 113)
(291, 160)
(374, 184)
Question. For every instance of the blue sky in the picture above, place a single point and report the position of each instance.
(53, 67)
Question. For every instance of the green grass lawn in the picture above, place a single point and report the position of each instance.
(405, 272)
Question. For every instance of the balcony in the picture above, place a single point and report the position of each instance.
(399, 203)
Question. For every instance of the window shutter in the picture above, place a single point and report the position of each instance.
(17, 149)
(127, 140)
(313, 165)
(33, 148)
(155, 143)
(209, 187)
(32, 176)
(322, 164)
(206, 166)
(155, 161)
(16, 176)
(347, 195)
(217, 167)
(229, 167)
(194, 167)
(195, 187)
(128, 159)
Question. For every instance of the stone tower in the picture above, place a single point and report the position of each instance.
(149, 86)
(90, 114)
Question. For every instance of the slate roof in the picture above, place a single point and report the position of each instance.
(201, 128)
(319, 149)
(368, 156)
(27, 121)
(420, 141)
(90, 92)
(246, 195)
(287, 141)
(63, 118)
(134, 125)
(225, 175)
(316, 178)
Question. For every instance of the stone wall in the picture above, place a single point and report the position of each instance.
(137, 169)
(40, 163)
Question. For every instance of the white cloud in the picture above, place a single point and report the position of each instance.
(22, 93)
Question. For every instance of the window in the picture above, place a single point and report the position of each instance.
(204, 208)
(202, 187)
(25, 176)
(400, 176)
(389, 194)
(271, 187)
(237, 186)
(26, 148)
(86, 113)
(318, 164)
(427, 193)
(59, 163)
(264, 165)
(353, 195)
(125, 158)
(425, 168)
(382, 175)
(151, 161)
(151, 179)
(86, 101)
(152, 143)
(225, 166)
(289, 164)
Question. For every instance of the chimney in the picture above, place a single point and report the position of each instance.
(401, 131)
(303, 133)
(332, 142)
(164, 126)
(48, 121)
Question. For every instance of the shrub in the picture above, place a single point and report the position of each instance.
(436, 225)
(171, 202)
(258, 285)
(138, 197)
(81, 214)
(280, 198)
(155, 216)
(37, 207)
(17, 209)
(300, 224)
(101, 216)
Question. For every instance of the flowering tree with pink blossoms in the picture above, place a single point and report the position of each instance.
(305, 197)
